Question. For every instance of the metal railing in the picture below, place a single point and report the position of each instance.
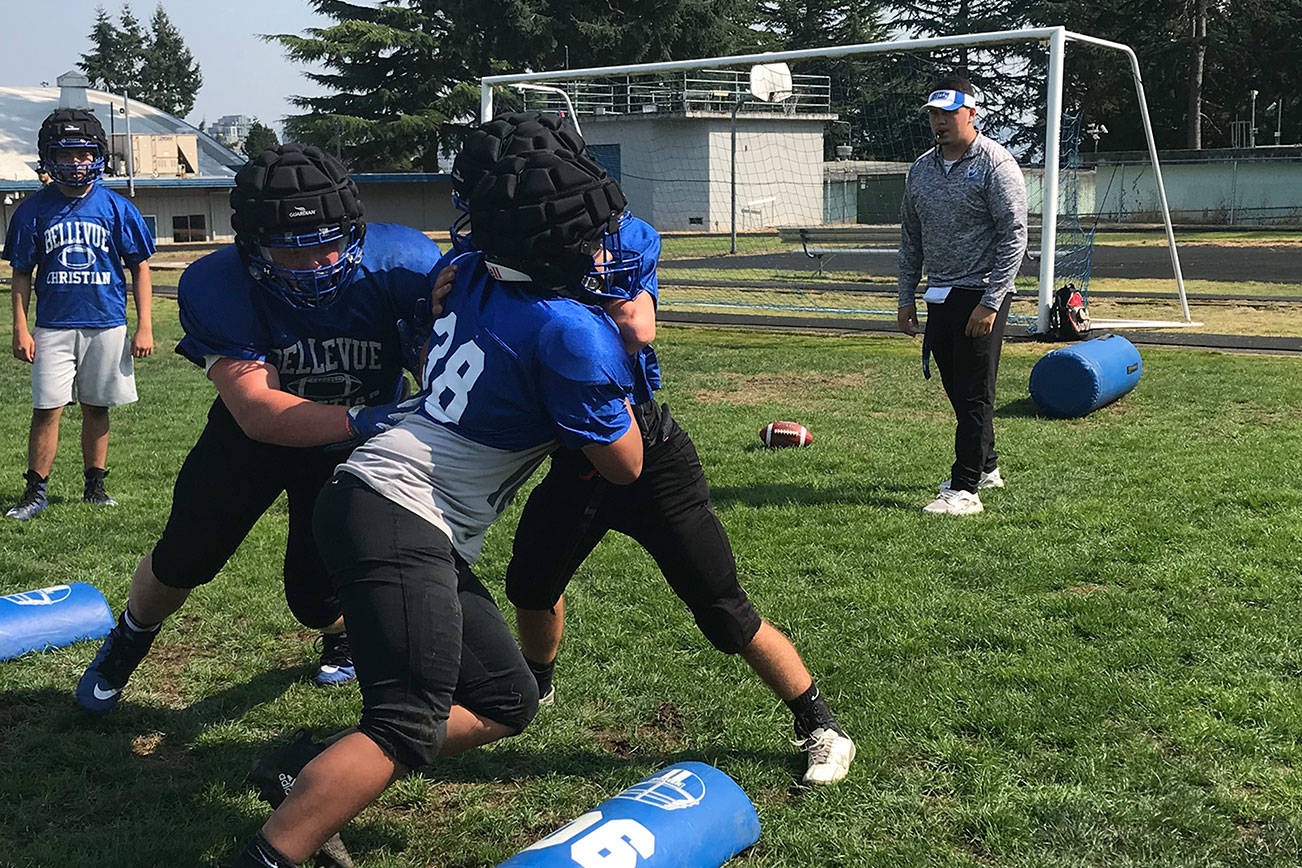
(694, 91)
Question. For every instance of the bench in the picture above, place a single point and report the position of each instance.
(822, 242)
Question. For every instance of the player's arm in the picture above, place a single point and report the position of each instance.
(21, 291)
(142, 290)
(636, 320)
(910, 264)
(251, 391)
(619, 461)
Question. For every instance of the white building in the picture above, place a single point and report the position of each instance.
(181, 178)
(231, 130)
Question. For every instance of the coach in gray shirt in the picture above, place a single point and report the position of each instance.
(963, 219)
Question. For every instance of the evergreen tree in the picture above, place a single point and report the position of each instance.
(169, 76)
(102, 64)
(403, 74)
(856, 82)
(131, 49)
(113, 63)
(259, 139)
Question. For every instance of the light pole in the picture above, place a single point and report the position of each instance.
(1252, 124)
(1278, 106)
(1096, 132)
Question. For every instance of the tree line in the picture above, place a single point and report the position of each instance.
(401, 76)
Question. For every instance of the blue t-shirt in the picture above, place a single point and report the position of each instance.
(77, 248)
(348, 352)
(511, 369)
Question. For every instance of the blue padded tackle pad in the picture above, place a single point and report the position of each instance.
(52, 617)
(689, 815)
(1076, 380)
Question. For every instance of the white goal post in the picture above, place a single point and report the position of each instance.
(1054, 38)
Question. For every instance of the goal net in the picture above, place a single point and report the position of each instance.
(775, 179)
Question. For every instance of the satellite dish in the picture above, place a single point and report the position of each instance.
(770, 82)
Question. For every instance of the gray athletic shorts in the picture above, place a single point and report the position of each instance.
(89, 366)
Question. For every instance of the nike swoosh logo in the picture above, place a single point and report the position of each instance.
(329, 670)
(105, 694)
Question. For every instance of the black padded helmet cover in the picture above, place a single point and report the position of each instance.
(292, 190)
(544, 213)
(68, 124)
(507, 135)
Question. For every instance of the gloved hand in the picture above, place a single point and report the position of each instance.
(413, 332)
(364, 422)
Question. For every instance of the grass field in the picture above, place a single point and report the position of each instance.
(1102, 669)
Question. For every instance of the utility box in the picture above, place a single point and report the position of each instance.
(157, 156)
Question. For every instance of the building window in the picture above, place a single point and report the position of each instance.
(190, 227)
(151, 221)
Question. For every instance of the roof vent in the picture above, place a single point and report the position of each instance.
(72, 90)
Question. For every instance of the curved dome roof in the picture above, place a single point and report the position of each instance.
(22, 109)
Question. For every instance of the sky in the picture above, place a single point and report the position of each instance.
(241, 73)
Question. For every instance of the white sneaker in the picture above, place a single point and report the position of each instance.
(548, 698)
(955, 502)
(830, 755)
(993, 479)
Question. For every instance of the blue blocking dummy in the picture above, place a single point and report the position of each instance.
(689, 815)
(52, 617)
(1075, 380)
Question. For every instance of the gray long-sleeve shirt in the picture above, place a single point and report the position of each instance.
(968, 227)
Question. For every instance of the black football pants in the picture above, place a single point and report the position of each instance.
(968, 370)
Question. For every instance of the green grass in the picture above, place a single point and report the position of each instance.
(1102, 669)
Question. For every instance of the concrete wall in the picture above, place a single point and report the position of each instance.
(676, 171)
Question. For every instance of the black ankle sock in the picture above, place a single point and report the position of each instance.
(811, 712)
(262, 854)
(542, 673)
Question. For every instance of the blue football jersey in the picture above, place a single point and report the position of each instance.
(509, 374)
(511, 369)
(348, 352)
(638, 235)
(77, 248)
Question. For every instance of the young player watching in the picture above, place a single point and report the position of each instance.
(68, 242)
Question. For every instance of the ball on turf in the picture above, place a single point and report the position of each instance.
(776, 435)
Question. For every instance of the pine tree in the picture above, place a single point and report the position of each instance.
(101, 63)
(169, 76)
(403, 75)
(131, 44)
(259, 139)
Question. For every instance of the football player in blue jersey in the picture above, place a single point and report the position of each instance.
(667, 511)
(514, 367)
(69, 242)
(297, 326)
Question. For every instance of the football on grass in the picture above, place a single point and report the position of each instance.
(779, 434)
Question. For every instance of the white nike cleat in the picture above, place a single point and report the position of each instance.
(954, 502)
(830, 755)
(548, 698)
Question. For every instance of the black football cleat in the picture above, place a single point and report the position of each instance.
(273, 777)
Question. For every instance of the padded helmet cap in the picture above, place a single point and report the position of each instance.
(545, 213)
(71, 128)
(507, 135)
(293, 190)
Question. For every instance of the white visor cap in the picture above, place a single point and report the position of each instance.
(950, 100)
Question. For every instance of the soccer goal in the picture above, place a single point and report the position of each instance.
(775, 179)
